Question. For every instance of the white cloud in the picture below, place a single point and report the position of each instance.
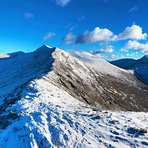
(96, 35)
(131, 55)
(49, 36)
(133, 32)
(112, 56)
(108, 49)
(133, 9)
(114, 38)
(137, 46)
(123, 50)
(128, 54)
(4, 56)
(69, 38)
(132, 44)
(62, 3)
(28, 15)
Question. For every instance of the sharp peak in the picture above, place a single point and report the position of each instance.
(44, 45)
(144, 59)
(145, 56)
(44, 48)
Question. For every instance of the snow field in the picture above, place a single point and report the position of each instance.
(53, 118)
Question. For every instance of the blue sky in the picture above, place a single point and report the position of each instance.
(110, 28)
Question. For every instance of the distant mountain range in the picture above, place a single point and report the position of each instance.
(138, 67)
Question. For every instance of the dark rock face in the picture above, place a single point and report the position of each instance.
(102, 91)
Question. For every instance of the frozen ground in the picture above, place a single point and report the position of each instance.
(47, 116)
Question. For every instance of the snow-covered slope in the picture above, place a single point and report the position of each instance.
(45, 116)
(49, 98)
(98, 64)
(20, 67)
(138, 67)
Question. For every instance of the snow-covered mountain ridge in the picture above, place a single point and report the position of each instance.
(138, 67)
(95, 82)
(49, 98)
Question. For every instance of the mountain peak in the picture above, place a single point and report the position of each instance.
(44, 47)
(144, 59)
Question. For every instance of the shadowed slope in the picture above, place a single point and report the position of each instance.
(138, 67)
(19, 68)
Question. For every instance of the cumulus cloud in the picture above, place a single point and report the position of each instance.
(4, 56)
(132, 44)
(108, 49)
(128, 54)
(123, 50)
(49, 36)
(62, 3)
(69, 38)
(137, 46)
(133, 32)
(112, 56)
(131, 55)
(96, 35)
(28, 15)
